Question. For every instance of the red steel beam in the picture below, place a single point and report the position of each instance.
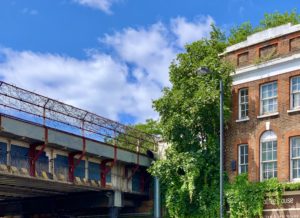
(34, 154)
(104, 169)
(72, 164)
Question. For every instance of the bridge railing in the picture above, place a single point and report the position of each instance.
(42, 110)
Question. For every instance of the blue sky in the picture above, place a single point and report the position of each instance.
(109, 56)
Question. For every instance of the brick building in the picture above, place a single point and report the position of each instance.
(263, 136)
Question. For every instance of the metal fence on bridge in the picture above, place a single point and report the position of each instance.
(51, 113)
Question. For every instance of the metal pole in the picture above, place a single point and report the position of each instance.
(221, 148)
(156, 198)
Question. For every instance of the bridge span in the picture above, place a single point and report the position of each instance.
(57, 160)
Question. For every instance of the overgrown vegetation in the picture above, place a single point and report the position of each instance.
(240, 33)
(132, 138)
(246, 199)
(189, 119)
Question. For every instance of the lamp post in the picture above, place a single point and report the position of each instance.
(203, 71)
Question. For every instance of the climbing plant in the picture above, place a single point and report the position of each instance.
(246, 199)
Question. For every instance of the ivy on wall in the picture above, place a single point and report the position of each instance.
(246, 199)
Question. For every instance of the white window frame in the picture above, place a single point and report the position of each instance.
(291, 161)
(261, 100)
(243, 164)
(240, 108)
(292, 94)
(269, 136)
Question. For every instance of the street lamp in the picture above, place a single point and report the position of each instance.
(203, 71)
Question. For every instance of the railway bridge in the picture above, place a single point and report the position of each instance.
(57, 160)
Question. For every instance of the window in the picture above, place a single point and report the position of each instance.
(243, 158)
(243, 59)
(295, 158)
(295, 92)
(243, 104)
(268, 52)
(268, 98)
(295, 44)
(268, 157)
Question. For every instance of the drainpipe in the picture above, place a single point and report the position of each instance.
(157, 210)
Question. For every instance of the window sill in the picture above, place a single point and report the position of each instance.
(293, 110)
(242, 120)
(267, 115)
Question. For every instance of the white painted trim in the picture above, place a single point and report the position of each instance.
(267, 115)
(239, 157)
(246, 88)
(266, 69)
(260, 154)
(261, 100)
(290, 156)
(291, 160)
(293, 110)
(242, 120)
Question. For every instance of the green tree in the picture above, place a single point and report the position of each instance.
(189, 114)
(277, 19)
(142, 134)
(151, 127)
(240, 33)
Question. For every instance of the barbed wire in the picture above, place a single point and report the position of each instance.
(37, 108)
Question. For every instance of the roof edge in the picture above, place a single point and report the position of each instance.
(264, 35)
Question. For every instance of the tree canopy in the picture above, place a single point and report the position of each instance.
(240, 33)
(190, 121)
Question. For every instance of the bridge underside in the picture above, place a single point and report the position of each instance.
(31, 196)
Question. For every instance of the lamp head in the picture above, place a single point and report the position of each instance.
(203, 71)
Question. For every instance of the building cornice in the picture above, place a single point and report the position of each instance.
(267, 69)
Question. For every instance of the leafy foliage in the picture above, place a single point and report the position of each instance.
(132, 138)
(190, 121)
(277, 19)
(246, 199)
(240, 33)
(151, 127)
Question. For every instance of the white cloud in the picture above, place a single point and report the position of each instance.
(150, 50)
(103, 5)
(188, 32)
(98, 84)
(124, 81)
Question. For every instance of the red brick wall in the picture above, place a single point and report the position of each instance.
(285, 46)
(284, 125)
